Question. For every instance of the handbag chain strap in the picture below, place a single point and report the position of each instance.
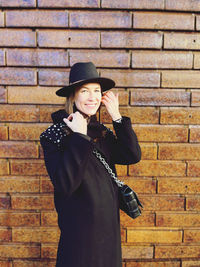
(106, 165)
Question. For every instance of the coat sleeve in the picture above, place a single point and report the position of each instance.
(125, 148)
(66, 166)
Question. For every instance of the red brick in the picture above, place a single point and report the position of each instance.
(193, 203)
(15, 113)
(10, 218)
(191, 236)
(178, 219)
(17, 76)
(5, 235)
(147, 219)
(37, 18)
(99, 19)
(26, 131)
(158, 168)
(161, 133)
(136, 114)
(4, 167)
(59, 77)
(48, 251)
(149, 151)
(37, 57)
(190, 263)
(3, 132)
(163, 20)
(67, 3)
(10, 149)
(179, 151)
(121, 170)
(154, 97)
(68, 38)
(193, 168)
(180, 185)
(123, 39)
(101, 58)
(34, 95)
(49, 218)
(162, 60)
(45, 112)
(131, 78)
(162, 203)
(18, 3)
(3, 95)
(134, 4)
(17, 37)
(180, 116)
(2, 57)
(46, 185)
(5, 202)
(31, 202)
(195, 101)
(28, 167)
(19, 184)
(153, 264)
(154, 235)
(19, 251)
(194, 134)
(189, 41)
(183, 5)
(39, 234)
(172, 252)
(6, 263)
(137, 252)
(36, 263)
(180, 79)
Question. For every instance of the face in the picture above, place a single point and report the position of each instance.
(88, 98)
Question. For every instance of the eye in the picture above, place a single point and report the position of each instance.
(84, 90)
(98, 90)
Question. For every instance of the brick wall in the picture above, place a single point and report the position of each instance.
(151, 50)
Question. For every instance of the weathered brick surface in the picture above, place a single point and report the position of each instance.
(17, 76)
(162, 60)
(185, 5)
(195, 99)
(37, 18)
(34, 57)
(101, 58)
(67, 3)
(97, 19)
(178, 219)
(34, 95)
(186, 41)
(18, 113)
(136, 4)
(150, 49)
(18, 3)
(160, 20)
(17, 37)
(148, 97)
(68, 38)
(131, 39)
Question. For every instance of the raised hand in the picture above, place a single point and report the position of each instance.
(76, 122)
(111, 101)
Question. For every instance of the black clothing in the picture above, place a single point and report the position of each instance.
(86, 198)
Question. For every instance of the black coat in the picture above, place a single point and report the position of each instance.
(86, 198)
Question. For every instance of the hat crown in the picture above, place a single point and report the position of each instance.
(82, 71)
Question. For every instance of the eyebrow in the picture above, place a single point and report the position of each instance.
(89, 88)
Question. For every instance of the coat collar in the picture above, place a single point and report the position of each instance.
(95, 129)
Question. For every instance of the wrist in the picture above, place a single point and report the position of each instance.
(116, 117)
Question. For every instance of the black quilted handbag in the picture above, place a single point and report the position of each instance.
(128, 199)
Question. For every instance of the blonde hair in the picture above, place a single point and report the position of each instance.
(69, 103)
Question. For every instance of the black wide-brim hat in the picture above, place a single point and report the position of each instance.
(82, 73)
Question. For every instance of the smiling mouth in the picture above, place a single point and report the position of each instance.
(91, 105)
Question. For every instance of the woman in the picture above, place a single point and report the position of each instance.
(86, 197)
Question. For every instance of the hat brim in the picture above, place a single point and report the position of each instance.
(106, 84)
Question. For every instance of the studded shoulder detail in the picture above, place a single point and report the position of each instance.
(55, 133)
